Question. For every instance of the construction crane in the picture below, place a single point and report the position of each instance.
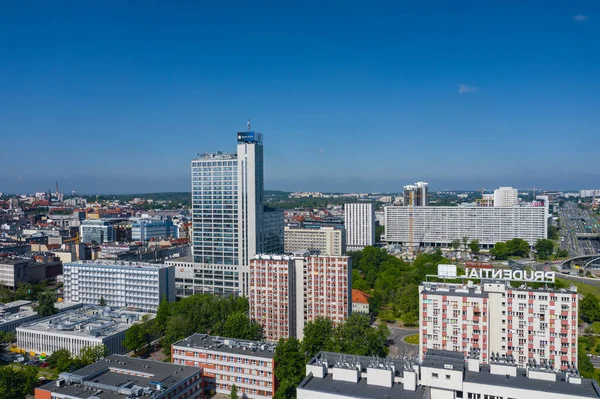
(410, 219)
(75, 239)
(533, 189)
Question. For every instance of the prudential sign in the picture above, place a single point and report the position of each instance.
(510, 275)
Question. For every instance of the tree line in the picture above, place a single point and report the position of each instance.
(518, 247)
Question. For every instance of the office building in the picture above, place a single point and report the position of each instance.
(589, 193)
(150, 229)
(225, 362)
(328, 241)
(506, 196)
(441, 375)
(228, 208)
(22, 269)
(360, 225)
(194, 278)
(137, 285)
(486, 200)
(96, 231)
(272, 230)
(122, 377)
(440, 225)
(75, 329)
(417, 193)
(286, 292)
(528, 324)
(14, 314)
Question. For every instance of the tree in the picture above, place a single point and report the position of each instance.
(465, 243)
(134, 337)
(562, 253)
(102, 301)
(17, 384)
(544, 248)
(552, 232)
(517, 247)
(589, 308)
(317, 336)
(233, 394)
(586, 368)
(357, 337)
(410, 319)
(239, 326)
(60, 360)
(455, 244)
(290, 367)
(474, 246)
(45, 305)
(162, 314)
(91, 354)
(379, 230)
(499, 251)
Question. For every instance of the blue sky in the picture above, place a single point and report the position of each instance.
(119, 96)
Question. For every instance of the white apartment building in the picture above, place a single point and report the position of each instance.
(506, 196)
(225, 362)
(286, 292)
(493, 318)
(138, 285)
(329, 241)
(417, 192)
(75, 329)
(440, 225)
(359, 221)
(441, 375)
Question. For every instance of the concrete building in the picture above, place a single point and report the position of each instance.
(96, 230)
(122, 284)
(418, 192)
(329, 241)
(16, 269)
(440, 225)
(194, 278)
(225, 362)
(228, 208)
(122, 377)
(272, 230)
(75, 329)
(288, 291)
(360, 302)
(14, 314)
(528, 324)
(506, 196)
(441, 375)
(149, 229)
(360, 225)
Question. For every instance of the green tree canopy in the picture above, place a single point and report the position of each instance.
(474, 246)
(233, 394)
(61, 360)
(589, 308)
(102, 301)
(357, 337)
(45, 306)
(17, 384)
(290, 369)
(318, 335)
(455, 244)
(91, 354)
(134, 337)
(239, 326)
(517, 247)
(544, 248)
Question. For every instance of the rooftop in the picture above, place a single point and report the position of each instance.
(207, 156)
(117, 264)
(359, 389)
(359, 297)
(105, 379)
(89, 321)
(228, 345)
(479, 290)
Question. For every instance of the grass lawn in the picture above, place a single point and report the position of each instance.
(583, 288)
(412, 339)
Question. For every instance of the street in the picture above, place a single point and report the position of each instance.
(399, 347)
(575, 221)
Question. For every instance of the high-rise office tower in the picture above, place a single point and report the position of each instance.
(418, 191)
(506, 196)
(360, 225)
(227, 214)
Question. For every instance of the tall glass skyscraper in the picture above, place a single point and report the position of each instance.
(227, 214)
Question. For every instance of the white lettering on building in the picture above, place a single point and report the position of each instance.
(512, 275)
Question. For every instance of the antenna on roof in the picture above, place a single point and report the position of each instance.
(248, 124)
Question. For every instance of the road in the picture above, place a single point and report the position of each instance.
(573, 221)
(399, 347)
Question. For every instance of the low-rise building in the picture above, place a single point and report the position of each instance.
(360, 302)
(138, 285)
(441, 375)
(24, 269)
(329, 241)
(17, 313)
(225, 362)
(75, 329)
(199, 278)
(122, 377)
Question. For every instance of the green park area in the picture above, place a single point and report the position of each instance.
(412, 339)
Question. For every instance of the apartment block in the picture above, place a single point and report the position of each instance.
(440, 225)
(360, 225)
(329, 241)
(530, 325)
(122, 377)
(286, 292)
(138, 285)
(225, 362)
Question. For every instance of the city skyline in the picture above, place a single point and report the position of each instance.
(462, 96)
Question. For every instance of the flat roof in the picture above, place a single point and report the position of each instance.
(87, 322)
(441, 358)
(80, 385)
(360, 389)
(560, 386)
(228, 345)
(117, 264)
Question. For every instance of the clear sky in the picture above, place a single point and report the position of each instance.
(350, 96)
